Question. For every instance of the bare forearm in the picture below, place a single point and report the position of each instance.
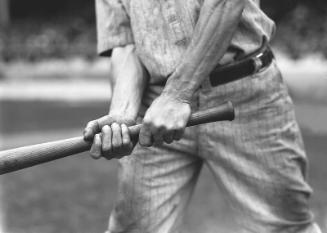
(110, 134)
(217, 23)
(128, 82)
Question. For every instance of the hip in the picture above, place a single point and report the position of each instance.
(260, 89)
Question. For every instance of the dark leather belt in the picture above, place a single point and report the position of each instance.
(249, 65)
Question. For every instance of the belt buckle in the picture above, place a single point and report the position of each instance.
(257, 62)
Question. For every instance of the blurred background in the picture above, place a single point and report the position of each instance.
(52, 83)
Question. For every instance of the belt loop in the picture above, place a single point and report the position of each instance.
(257, 62)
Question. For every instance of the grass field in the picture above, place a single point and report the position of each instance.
(76, 194)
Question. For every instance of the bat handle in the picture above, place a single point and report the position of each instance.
(28, 156)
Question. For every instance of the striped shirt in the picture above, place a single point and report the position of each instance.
(161, 30)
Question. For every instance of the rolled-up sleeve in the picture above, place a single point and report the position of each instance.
(113, 26)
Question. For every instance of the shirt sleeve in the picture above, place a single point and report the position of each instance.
(113, 26)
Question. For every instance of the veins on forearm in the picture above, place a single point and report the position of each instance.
(215, 28)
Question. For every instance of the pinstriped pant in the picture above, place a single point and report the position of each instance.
(258, 160)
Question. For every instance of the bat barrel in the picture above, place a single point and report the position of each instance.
(28, 156)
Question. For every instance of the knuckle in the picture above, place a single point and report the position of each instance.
(105, 129)
(86, 135)
(96, 124)
(180, 125)
(115, 126)
(90, 123)
(159, 126)
(157, 123)
(105, 120)
(170, 127)
(146, 119)
(124, 128)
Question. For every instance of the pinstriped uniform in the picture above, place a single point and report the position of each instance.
(162, 29)
(258, 159)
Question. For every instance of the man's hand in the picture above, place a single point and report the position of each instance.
(110, 134)
(110, 137)
(164, 121)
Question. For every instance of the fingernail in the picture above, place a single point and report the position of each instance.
(105, 128)
(95, 156)
(86, 133)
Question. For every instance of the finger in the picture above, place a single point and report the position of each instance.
(96, 147)
(169, 137)
(125, 135)
(106, 140)
(116, 137)
(178, 134)
(105, 120)
(127, 143)
(158, 136)
(145, 138)
(90, 130)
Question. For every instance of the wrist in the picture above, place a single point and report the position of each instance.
(178, 95)
(123, 115)
(180, 86)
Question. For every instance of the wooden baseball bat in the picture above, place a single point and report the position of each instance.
(28, 156)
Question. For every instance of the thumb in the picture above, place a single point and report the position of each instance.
(95, 126)
(105, 120)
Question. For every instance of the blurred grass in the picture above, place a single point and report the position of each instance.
(76, 194)
(72, 195)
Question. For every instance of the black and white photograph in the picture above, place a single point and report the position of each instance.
(163, 116)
